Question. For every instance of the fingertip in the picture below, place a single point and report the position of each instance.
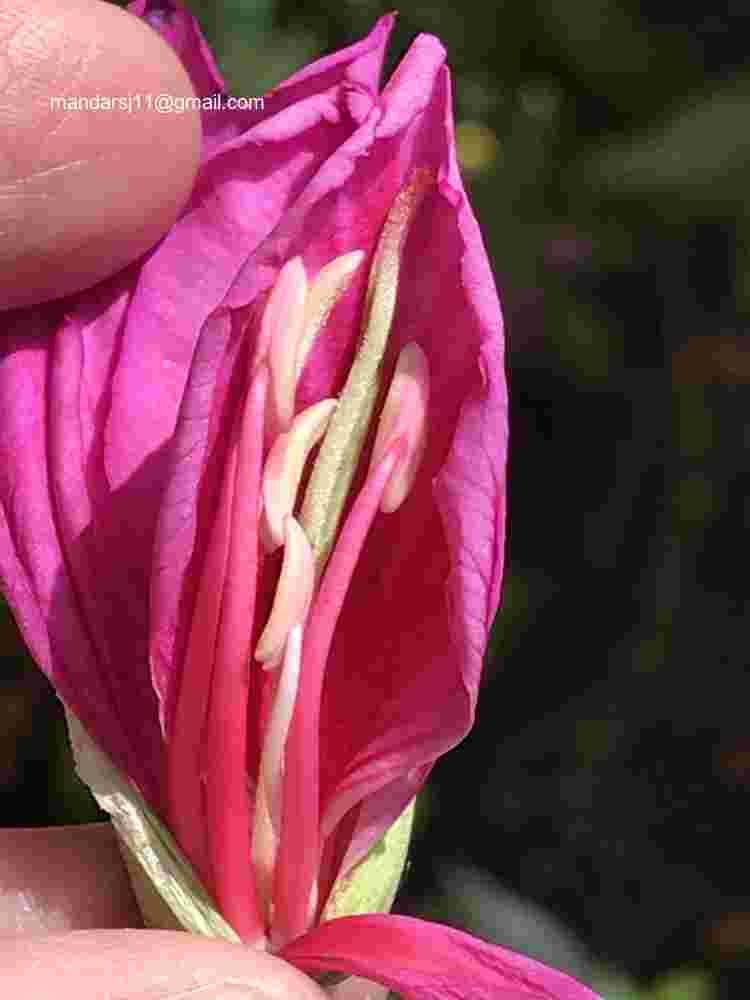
(63, 878)
(136, 964)
(84, 190)
(72, 879)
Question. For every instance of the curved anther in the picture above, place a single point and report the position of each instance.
(324, 292)
(267, 822)
(404, 416)
(281, 328)
(284, 467)
(293, 594)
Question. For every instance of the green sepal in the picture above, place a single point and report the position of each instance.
(371, 886)
(168, 890)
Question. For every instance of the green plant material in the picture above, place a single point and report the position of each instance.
(684, 984)
(680, 984)
(160, 863)
(371, 886)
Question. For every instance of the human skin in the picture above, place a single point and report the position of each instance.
(70, 928)
(82, 193)
(79, 200)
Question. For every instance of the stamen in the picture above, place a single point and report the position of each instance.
(293, 594)
(284, 467)
(404, 415)
(339, 453)
(299, 847)
(281, 328)
(271, 774)
(228, 811)
(325, 291)
(185, 745)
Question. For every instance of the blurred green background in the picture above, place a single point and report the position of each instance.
(603, 794)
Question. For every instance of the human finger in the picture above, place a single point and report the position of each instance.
(86, 186)
(144, 965)
(63, 878)
(72, 878)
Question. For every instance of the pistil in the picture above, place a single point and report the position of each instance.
(337, 460)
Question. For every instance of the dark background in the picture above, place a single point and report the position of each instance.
(607, 149)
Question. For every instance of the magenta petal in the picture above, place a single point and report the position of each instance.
(115, 432)
(355, 69)
(77, 521)
(299, 854)
(414, 691)
(74, 551)
(242, 195)
(243, 191)
(426, 961)
(362, 62)
(179, 28)
(349, 78)
(197, 454)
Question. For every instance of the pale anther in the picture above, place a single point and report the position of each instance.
(325, 290)
(284, 467)
(282, 327)
(265, 840)
(404, 415)
(293, 594)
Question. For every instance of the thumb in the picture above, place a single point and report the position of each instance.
(84, 191)
(144, 965)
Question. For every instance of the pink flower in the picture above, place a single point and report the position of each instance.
(274, 644)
